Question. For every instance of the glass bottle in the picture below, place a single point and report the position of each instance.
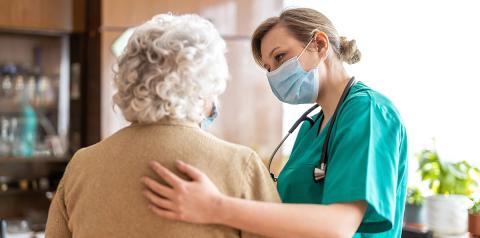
(4, 143)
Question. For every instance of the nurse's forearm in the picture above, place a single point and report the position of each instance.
(291, 220)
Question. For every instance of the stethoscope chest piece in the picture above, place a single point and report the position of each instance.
(319, 173)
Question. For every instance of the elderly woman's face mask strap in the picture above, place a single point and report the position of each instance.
(209, 120)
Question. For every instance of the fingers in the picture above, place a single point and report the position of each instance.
(158, 201)
(166, 174)
(164, 213)
(159, 189)
(189, 170)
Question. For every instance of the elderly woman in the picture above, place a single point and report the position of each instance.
(169, 76)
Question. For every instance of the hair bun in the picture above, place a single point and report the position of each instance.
(349, 52)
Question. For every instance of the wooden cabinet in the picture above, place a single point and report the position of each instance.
(35, 48)
(34, 119)
(43, 15)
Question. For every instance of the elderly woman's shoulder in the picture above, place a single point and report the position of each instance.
(221, 144)
(238, 156)
(81, 155)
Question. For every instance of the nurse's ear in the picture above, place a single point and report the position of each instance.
(322, 44)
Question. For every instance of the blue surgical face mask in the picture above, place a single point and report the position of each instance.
(292, 84)
(209, 120)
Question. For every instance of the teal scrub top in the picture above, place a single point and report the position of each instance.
(367, 161)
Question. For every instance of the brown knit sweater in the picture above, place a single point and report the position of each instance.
(100, 192)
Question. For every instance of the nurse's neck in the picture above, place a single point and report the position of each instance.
(331, 89)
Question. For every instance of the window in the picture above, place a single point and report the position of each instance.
(424, 56)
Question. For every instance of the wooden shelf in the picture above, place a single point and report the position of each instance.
(17, 192)
(14, 106)
(34, 167)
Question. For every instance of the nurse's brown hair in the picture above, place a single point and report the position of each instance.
(303, 23)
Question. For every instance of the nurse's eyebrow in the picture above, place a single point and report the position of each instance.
(271, 52)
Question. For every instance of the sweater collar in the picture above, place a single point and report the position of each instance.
(170, 122)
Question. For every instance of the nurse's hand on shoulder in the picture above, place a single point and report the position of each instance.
(189, 201)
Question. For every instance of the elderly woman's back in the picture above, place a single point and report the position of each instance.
(171, 72)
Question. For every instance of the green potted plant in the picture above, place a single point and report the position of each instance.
(451, 184)
(415, 209)
(474, 219)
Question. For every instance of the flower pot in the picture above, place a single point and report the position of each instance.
(474, 224)
(447, 215)
(415, 214)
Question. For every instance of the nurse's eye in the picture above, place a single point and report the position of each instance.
(279, 58)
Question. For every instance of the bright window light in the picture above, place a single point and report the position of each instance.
(424, 56)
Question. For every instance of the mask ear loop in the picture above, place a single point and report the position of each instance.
(301, 53)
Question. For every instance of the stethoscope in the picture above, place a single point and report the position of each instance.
(320, 170)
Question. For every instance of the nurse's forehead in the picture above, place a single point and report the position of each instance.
(278, 36)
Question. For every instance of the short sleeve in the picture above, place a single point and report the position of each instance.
(363, 161)
(258, 185)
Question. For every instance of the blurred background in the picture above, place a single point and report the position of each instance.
(56, 60)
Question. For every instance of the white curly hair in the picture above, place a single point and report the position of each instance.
(171, 67)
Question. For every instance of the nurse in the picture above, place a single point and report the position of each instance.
(363, 192)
